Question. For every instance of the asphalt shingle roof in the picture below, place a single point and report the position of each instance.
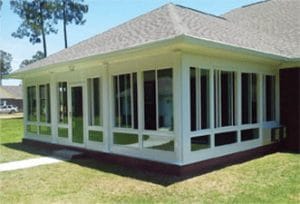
(270, 26)
(10, 92)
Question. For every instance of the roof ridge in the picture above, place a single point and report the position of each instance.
(202, 12)
(255, 3)
(176, 20)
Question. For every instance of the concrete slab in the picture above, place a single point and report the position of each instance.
(28, 163)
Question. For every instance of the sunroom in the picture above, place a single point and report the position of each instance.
(166, 105)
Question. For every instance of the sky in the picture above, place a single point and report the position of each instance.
(102, 15)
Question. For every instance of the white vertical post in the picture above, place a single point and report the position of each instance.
(185, 109)
(211, 106)
(106, 109)
(37, 95)
(260, 105)
(25, 111)
(140, 107)
(54, 111)
(239, 103)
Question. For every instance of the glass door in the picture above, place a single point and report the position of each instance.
(77, 114)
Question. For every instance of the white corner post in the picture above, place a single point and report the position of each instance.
(185, 109)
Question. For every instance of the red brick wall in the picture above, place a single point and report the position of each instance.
(290, 106)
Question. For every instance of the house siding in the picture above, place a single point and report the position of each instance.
(290, 106)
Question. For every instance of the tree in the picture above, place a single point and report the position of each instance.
(37, 56)
(1, 4)
(37, 16)
(70, 11)
(5, 64)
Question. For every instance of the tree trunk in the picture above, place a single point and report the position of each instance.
(43, 29)
(65, 24)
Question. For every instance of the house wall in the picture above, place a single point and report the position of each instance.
(238, 66)
(78, 75)
(290, 106)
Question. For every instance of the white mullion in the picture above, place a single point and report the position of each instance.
(92, 101)
(216, 98)
(156, 100)
(212, 106)
(219, 99)
(197, 70)
(199, 99)
(251, 97)
(125, 98)
(118, 98)
(100, 101)
(215, 93)
(131, 102)
(38, 107)
(233, 98)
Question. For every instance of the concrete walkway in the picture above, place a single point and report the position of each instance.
(58, 156)
(27, 163)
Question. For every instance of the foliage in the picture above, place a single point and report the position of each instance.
(37, 56)
(37, 20)
(70, 11)
(5, 64)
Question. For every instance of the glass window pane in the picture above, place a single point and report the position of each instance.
(204, 98)
(126, 139)
(63, 132)
(158, 143)
(193, 98)
(94, 87)
(62, 102)
(249, 134)
(199, 89)
(31, 103)
(125, 96)
(165, 98)
(270, 98)
(45, 130)
(201, 142)
(249, 98)
(32, 129)
(96, 136)
(225, 138)
(224, 91)
(150, 100)
(44, 91)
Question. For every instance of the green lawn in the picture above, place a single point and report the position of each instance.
(11, 135)
(271, 179)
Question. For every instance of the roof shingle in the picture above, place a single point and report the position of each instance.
(270, 27)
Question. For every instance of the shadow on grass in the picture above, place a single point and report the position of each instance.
(87, 161)
(113, 167)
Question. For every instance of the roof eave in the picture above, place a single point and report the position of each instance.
(185, 39)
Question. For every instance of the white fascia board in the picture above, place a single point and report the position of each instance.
(233, 48)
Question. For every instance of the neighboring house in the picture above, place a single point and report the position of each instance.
(175, 85)
(11, 95)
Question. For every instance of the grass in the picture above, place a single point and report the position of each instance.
(11, 148)
(271, 179)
